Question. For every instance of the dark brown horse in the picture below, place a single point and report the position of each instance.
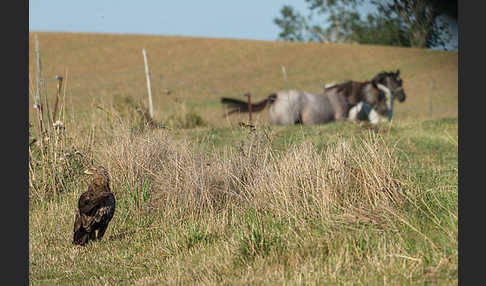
(293, 106)
(392, 86)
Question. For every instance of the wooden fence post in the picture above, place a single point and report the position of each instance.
(59, 85)
(147, 73)
(284, 72)
(46, 99)
(38, 102)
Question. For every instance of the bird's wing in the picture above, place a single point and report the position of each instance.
(106, 211)
(81, 234)
(82, 224)
(77, 222)
(89, 202)
(93, 208)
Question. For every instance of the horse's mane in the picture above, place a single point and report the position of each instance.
(350, 87)
(379, 78)
(341, 86)
(351, 90)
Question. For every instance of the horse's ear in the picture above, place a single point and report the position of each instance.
(398, 72)
(374, 83)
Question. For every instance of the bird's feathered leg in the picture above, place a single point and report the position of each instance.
(92, 235)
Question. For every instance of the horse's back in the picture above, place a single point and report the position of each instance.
(293, 106)
(317, 109)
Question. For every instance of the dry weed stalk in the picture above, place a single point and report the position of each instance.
(54, 159)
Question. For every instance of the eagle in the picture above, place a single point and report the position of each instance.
(96, 207)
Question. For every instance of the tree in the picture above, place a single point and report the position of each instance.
(393, 22)
(296, 27)
(292, 25)
(418, 16)
(381, 31)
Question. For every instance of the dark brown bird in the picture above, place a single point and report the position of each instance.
(96, 207)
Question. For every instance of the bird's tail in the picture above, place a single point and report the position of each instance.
(242, 106)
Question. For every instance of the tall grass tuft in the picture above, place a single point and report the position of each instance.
(352, 180)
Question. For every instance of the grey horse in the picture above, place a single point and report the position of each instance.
(299, 107)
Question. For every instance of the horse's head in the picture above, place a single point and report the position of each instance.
(376, 98)
(393, 82)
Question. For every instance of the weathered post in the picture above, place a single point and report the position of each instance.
(38, 103)
(46, 99)
(59, 85)
(147, 73)
(284, 72)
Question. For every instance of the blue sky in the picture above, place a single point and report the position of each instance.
(251, 19)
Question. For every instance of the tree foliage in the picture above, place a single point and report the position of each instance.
(391, 22)
(418, 16)
(292, 25)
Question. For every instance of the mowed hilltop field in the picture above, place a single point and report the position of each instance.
(191, 74)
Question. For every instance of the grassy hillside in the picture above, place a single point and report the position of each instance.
(202, 201)
(198, 71)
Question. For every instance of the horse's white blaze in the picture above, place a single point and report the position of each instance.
(364, 111)
(389, 99)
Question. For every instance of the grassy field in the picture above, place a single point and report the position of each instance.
(203, 201)
(101, 69)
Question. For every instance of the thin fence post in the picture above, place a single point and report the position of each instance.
(147, 73)
(284, 72)
(58, 94)
(63, 101)
(38, 102)
(285, 77)
(46, 99)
